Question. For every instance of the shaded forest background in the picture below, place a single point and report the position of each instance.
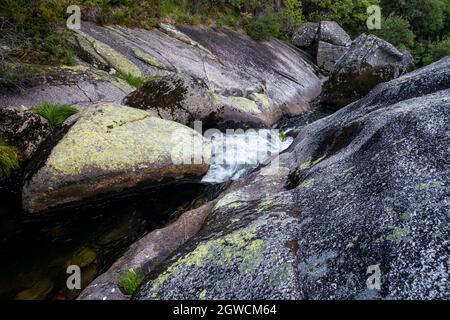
(34, 33)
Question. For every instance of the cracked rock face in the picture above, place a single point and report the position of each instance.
(333, 43)
(110, 149)
(368, 62)
(364, 188)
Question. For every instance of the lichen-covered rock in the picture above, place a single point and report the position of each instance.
(226, 63)
(305, 35)
(24, 129)
(145, 254)
(184, 99)
(364, 189)
(78, 85)
(113, 148)
(368, 62)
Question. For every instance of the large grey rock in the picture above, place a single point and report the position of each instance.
(24, 129)
(228, 63)
(332, 33)
(333, 43)
(368, 62)
(185, 99)
(364, 188)
(75, 85)
(305, 35)
(111, 149)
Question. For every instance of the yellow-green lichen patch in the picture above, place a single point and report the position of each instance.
(346, 171)
(311, 163)
(280, 275)
(265, 204)
(227, 200)
(398, 234)
(262, 99)
(148, 58)
(202, 294)
(237, 248)
(426, 185)
(107, 54)
(76, 68)
(306, 184)
(112, 137)
(243, 104)
(352, 242)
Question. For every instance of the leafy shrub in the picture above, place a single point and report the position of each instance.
(397, 31)
(9, 159)
(130, 281)
(56, 114)
(437, 51)
(264, 27)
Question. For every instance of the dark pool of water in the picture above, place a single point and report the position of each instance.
(36, 250)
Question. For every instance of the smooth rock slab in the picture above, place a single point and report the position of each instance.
(112, 148)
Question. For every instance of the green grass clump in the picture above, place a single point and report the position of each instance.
(135, 81)
(9, 159)
(130, 281)
(282, 135)
(56, 114)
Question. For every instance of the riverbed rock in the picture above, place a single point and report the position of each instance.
(258, 81)
(145, 254)
(368, 62)
(111, 149)
(24, 129)
(360, 194)
(79, 85)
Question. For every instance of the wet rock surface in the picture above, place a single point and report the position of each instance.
(364, 187)
(368, 62)
(110, 149)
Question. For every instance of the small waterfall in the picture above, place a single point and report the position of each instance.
(235, 154)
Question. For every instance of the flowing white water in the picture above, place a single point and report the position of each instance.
(235, 154)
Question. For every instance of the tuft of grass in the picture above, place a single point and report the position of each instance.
(56, 114)
(282, 135)
(135, 81)
(9, 159)
(130, 281)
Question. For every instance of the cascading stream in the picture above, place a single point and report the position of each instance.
(235, 154)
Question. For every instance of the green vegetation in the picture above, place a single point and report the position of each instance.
(282, 135)
(265, 27)
(135, 81)
(56, 114)
(9, 159)
(397, 31)
(130, 280)
(35, 30)
(437, 50)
